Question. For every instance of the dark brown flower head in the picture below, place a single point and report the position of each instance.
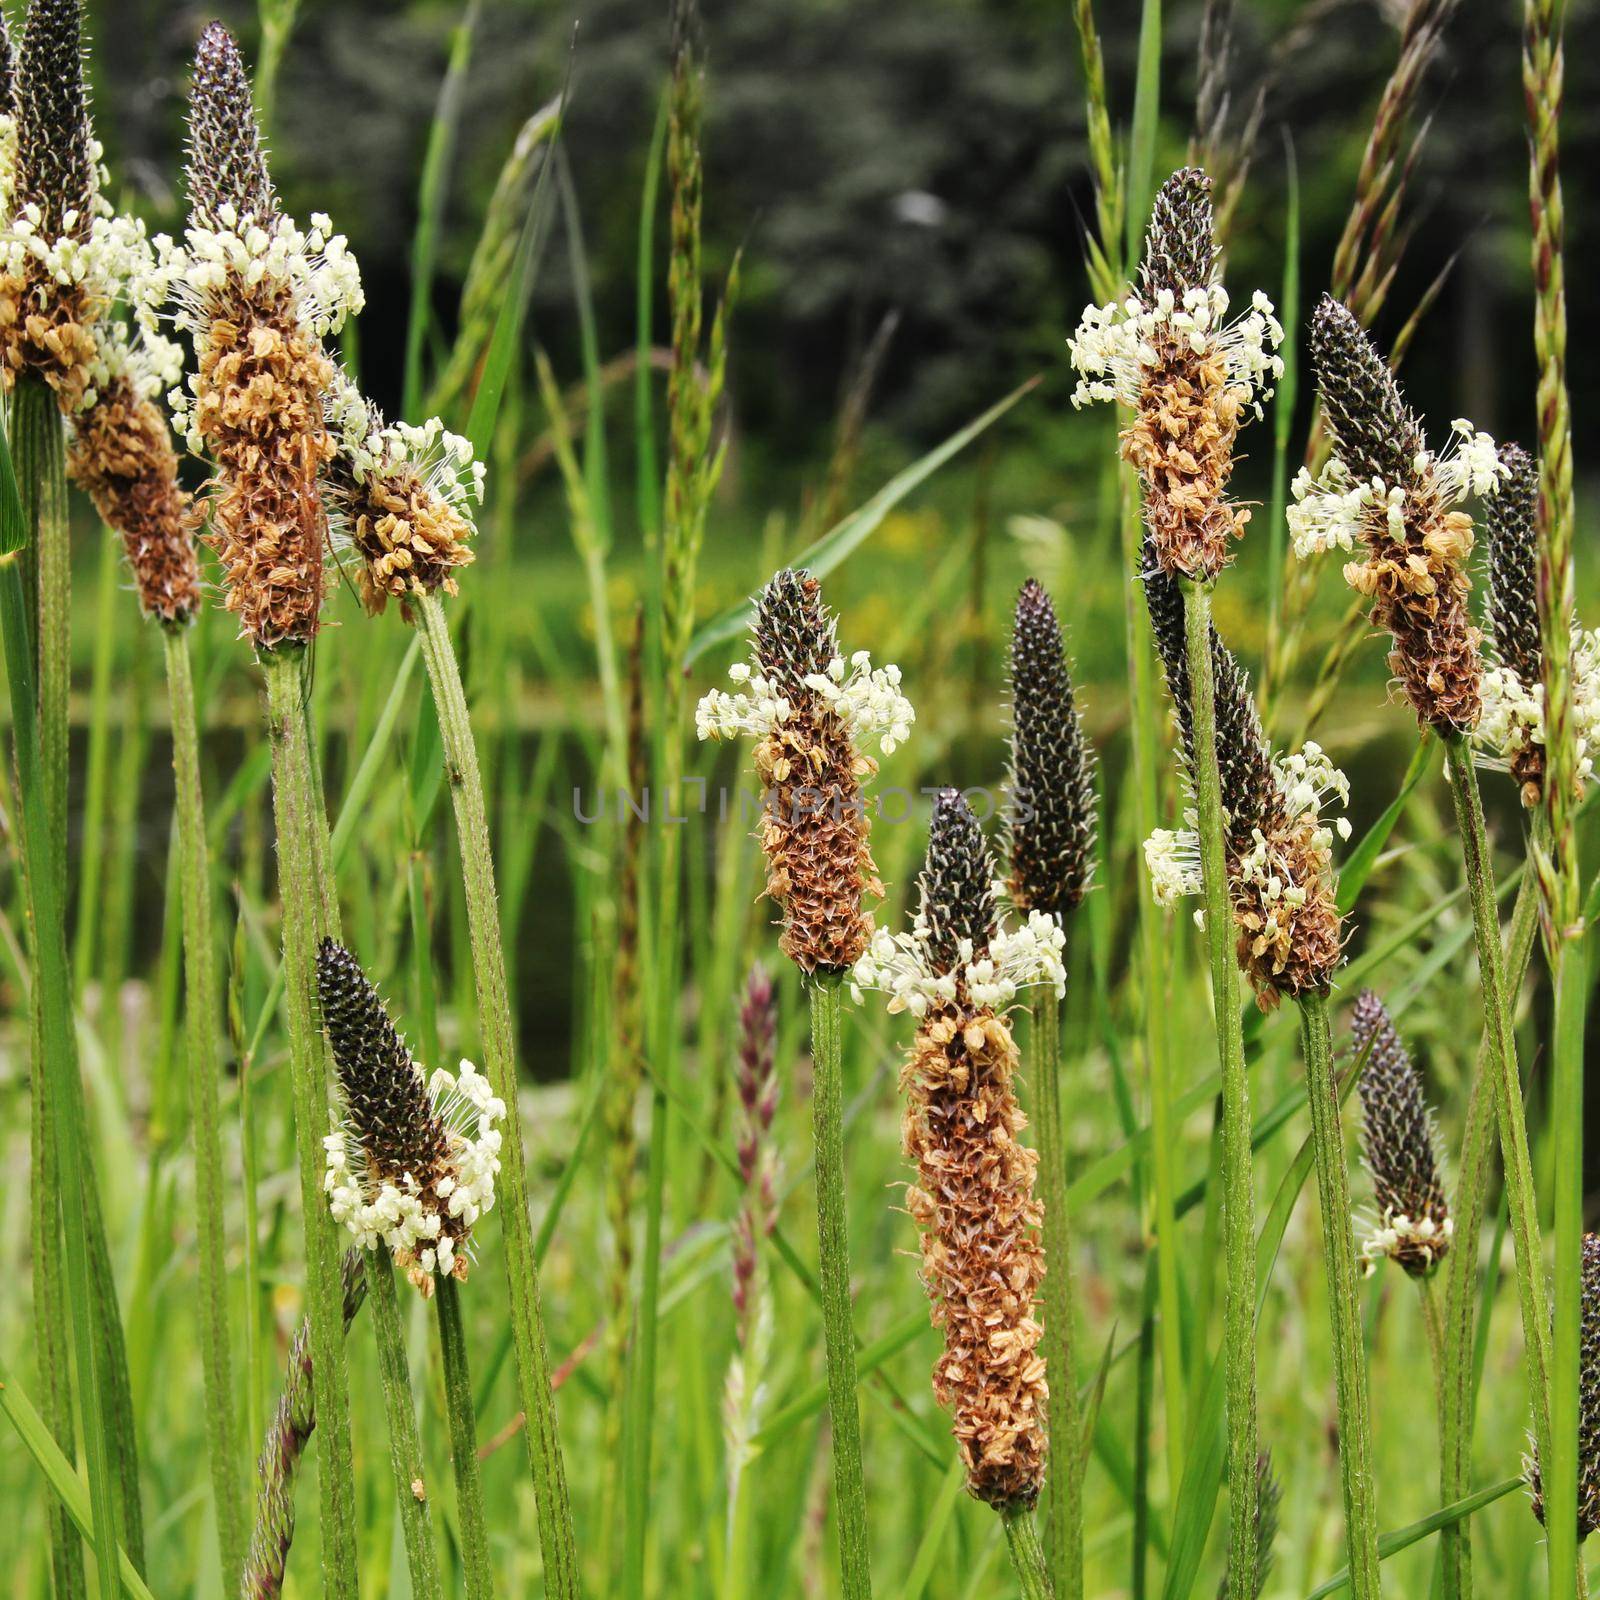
(1588, 1403)
(8, 70)
(1180, 246)
(408, 1167)
(1414, 1226)
(50, 302)
(227, 162)
(813, 823)
(1383, 482)
(956, 887)
(402, 496)
(757, 1083)
(121, 453)
(1052, 821)
(982, 1261)
(1279, 849)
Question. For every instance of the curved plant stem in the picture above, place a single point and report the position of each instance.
(1237, 1189)
(297, 801)
(1507, 1093)
(1461, 1267)
(556, 1537)
(459, 1409)
(201, 1021)
(1026, 1555)
(833, 1255)
(1063, 1487)
(1338, 1243)
(405, 1449)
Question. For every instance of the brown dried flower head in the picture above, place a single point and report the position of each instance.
(53, 284)
(1383, 486)
(1190, 377)
(982, 1261)
(259, 295)
(1588, 1403)
(808, 708)
(1278, 843)
(1401, 1143)
(402, 495)
(1052, 810)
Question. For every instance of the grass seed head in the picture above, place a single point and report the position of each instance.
(1588, 1403)
(1414, 1226)
(1052, 826)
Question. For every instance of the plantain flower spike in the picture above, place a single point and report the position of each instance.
(973, 1198)
(810, 711)
(1414, 1226)
(1283, 814)
(258, 295)
(1052, 813)
(402, 496)
(1383, 486)
(1588, 1403)
(412, 1164)
(62, 252)
(1510, 731)
(1190, 377)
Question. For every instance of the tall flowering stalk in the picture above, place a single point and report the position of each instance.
(1190, 379)
(1383, 487)
(982, 1258)
(1052, 820)
(1556, 854)
(810, 711)
(403, 495)
(258, 295)
(62, 257)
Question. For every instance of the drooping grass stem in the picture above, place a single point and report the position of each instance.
(463, 1441)
(201, 1021)
(1338, 1245)
(1237, 1188)
(1022, 1535)
(542, 1433)
(405, 1449)
(827, 1108)
(1461, 1267)
(297, 799)
(1507, 1093)
(1063, 1485)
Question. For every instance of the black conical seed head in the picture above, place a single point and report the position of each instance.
(386, 1100)
(1513, 600)
(55, 160)
(1375, 433)
(794, 634)
(227, 164)
(1052, 773)
(957, 884)
(8, 70)
(1180, 247)
(1588, 1402)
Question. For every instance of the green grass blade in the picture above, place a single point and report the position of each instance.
(1359, 863)
(1140, 175)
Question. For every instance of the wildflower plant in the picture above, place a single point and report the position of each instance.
(1190, 377)
(810, 712)
(1414, 1227)
(1384, 488)
(413, 1162)
(982, 1262)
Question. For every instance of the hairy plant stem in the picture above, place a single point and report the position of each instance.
(1457, 1397)
(1239, 1249)
(1064, 1485)
(297, 806)
(405, 1448)
(1507, 1091)
(833, 1257)
(542, 1433)
(1033, 1574)
(459, 1409)
(1344, 1310)
(202, 1018)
